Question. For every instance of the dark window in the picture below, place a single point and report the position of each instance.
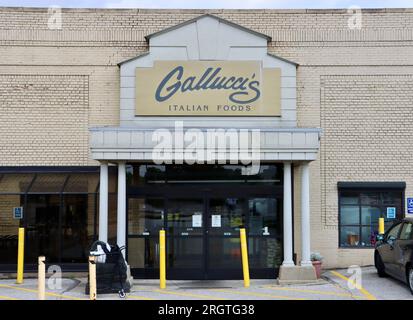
(144, 174)
(145, 216)
(60, 210)
(77, 227)
(264, 214)
(9, 227)
(42, 227)
(360, 210)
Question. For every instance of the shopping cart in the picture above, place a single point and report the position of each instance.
(111, 269)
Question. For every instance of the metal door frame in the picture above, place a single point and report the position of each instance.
(205, 192)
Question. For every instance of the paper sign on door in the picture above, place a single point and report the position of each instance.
(197, 220)
(216, 221)
(391, 213)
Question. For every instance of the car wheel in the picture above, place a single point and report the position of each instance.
(378, 262)
(410, 278)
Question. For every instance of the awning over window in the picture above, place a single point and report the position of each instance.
(21, 181)
(15, 183)
(372, 185)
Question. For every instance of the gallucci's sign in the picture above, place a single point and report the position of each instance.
(207, 88)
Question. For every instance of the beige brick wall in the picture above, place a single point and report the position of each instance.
(364, 112)
(367, 132)
(355, 84)
(44, 119)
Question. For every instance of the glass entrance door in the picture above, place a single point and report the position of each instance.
(203, 236)
(202, 209)
(146, 216)
(265, 236)
(185, 238)
(183, 220)
(225, 218)
(261, 217)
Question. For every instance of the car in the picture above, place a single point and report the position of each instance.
(393, 255)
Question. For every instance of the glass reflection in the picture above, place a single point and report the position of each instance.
(43, 237)
(264, 216)
(143, 252)
(227, 216)
(145, 216)
(9, 228)
(182, 215)
(144, 174)
(59, 215)
(75, 233)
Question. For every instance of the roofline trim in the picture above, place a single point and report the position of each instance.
(134, 58)
(233, 24)
(48, 169)
(283, 59)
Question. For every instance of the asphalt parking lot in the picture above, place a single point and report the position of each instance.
(333, 286)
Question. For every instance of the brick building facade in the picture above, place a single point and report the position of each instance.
(353, 83)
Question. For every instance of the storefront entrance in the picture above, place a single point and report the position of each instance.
(202, 211)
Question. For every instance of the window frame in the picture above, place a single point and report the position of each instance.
(61, 193)
(171, 178)
(358, 188)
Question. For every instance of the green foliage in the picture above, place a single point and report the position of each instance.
(316, 256)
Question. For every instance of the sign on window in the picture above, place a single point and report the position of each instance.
(410, 205)
(391, 213)
(18, 212)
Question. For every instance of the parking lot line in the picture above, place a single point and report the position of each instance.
(368, 295)
(186, 294)
(35, 291)
(256, 294)
(328, 293)
(7, 298)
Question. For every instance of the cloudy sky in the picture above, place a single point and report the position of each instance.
(244, 4)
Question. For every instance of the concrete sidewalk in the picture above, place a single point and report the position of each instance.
(333, 286)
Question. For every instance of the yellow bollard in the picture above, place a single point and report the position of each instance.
(381, 225)
(20, 257)
(92, 278)
(41, 282)
(244, 254)
(162, 260)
